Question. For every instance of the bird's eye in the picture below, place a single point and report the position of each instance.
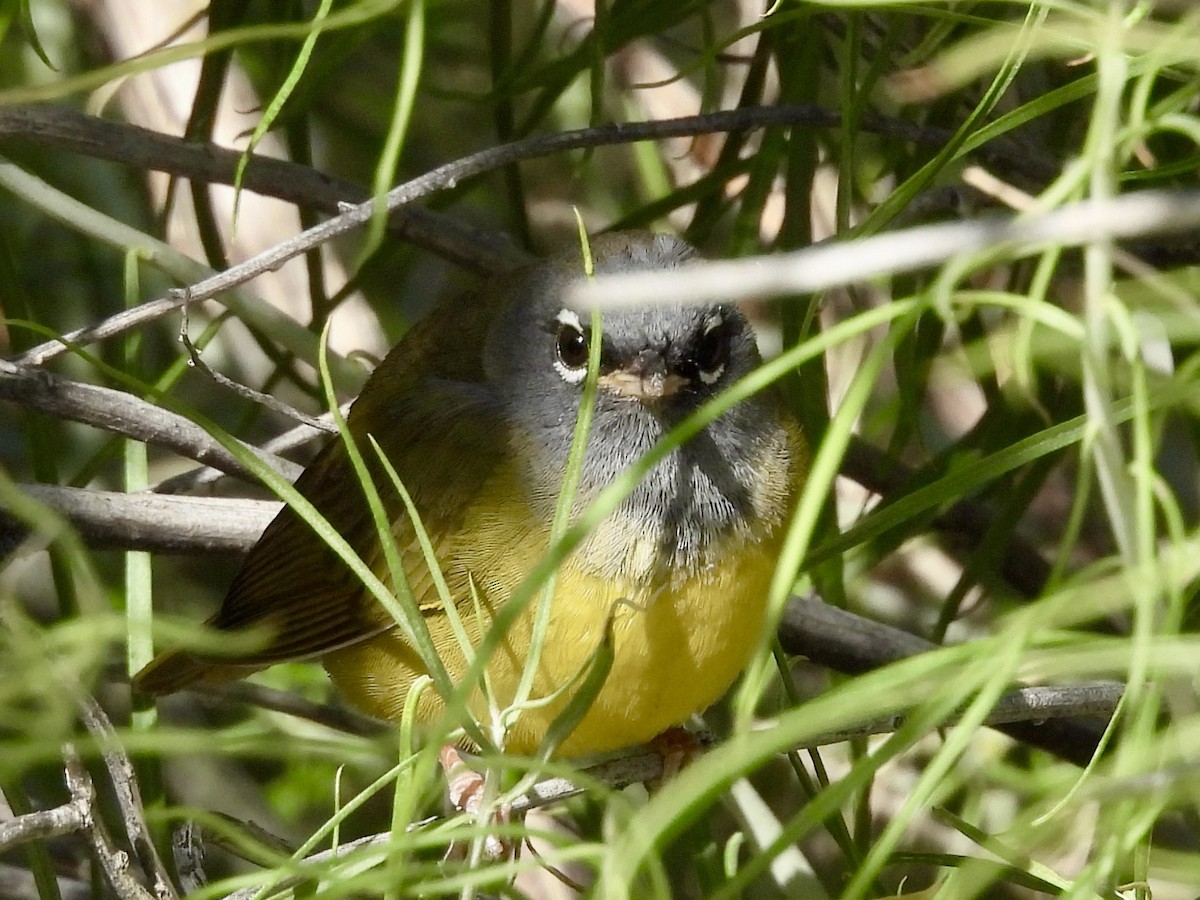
(570, 347)
(713, 351)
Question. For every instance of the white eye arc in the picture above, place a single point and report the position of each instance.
(714, 350)
(570, 318)
(570, 347)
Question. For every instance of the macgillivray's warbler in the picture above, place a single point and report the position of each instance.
(476, 410)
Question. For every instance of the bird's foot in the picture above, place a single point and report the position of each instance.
(677, 747)
(465, 791)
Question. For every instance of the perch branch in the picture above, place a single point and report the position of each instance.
(159, 522)
(1024, 705)
(296, 436)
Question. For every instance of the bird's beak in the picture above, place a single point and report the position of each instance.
(645, 377)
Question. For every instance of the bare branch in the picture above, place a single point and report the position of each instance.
(835, 264)
(43, 824)
(159, 522)
(187, 849)
(1031, 705)
(129, 799)
(452, 174)
(113, 860)
(66, 129)
(336, 717)
(297, 436)
(246, 392)
(844, 642)
(126, 415)
(828, 636)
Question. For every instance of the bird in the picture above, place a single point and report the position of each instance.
(475, 409)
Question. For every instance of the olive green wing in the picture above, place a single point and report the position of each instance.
(443, 440)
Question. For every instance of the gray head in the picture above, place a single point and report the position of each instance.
(658, 364)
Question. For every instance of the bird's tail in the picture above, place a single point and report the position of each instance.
(177, 669)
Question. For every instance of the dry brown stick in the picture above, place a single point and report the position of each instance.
(113, 860)
(126, 415)
(159, 523)
(66, 129)
(453, 173)
(840, 640)
(128, 794)
(1023, 705)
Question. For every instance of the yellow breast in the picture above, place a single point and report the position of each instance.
(679, 639)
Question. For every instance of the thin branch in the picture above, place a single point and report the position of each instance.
(335, 717)
(1025, 705)
(113, 860)
(126, 415)
(297, 436)
(158, 522)
(828, 636)
(844, 642)
(67, 129)
(187, 850)
(452, 174)
(129, 799)
(835, 264)
(43, 824)
(169, 524)
(268, 401)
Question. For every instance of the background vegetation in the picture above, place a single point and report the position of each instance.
(1015, 424)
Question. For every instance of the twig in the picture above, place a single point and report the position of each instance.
(113, 860)
(43, 824)
(1031, 704)
(336, 717)
(203, 524)
(187, 850)
(833, 264)
(129, 799)
(64, 128)
(297, 436)
(847, 643)
(451, 174)
(126, 415)
(244, 391)
(78, 814)
(157, 522)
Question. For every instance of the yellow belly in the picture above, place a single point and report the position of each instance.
(679, 639)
